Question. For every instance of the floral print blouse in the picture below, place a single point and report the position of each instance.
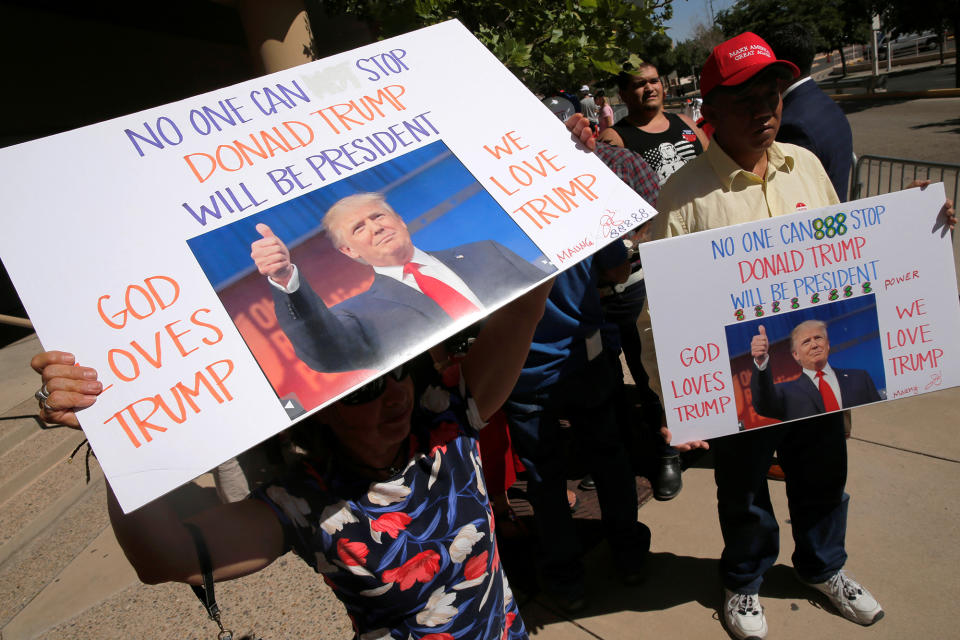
(413, 557)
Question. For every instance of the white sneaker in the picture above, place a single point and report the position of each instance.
(743, 616)
(850, 599)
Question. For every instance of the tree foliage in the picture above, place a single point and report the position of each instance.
(545, 43)
(690, 55)
(657, 48)
(936, 15)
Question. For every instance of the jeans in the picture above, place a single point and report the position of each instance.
(813, 455)
(582, 408)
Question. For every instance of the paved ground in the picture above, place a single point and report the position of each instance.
(927, 130)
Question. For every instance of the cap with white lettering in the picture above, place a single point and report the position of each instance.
(737, 60)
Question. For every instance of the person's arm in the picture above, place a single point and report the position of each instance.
(764, 397)
(611, 137)
(242, 537)
(701, 136)
(493, 364)
(325, 340)
(606, 118)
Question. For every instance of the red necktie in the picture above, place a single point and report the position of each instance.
(829, 400)
(454, 303)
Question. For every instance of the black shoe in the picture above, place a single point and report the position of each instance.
(587, 484)
(669, 480)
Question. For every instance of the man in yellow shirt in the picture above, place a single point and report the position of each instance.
(744, 175)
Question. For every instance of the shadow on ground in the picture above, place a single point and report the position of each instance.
(944, 124)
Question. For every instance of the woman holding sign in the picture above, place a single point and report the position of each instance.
(391, 507)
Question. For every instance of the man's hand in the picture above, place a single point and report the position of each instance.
(70, 387)
(271, 256)
(759, 346)
(946, 216)
(579, 126)
(686, 446)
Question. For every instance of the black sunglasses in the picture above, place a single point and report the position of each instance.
(375, 388)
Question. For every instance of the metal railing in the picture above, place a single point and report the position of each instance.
(15, 321)
(876, 175)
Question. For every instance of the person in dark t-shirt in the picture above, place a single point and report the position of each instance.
(665, 140)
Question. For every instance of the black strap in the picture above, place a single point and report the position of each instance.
(205, 593)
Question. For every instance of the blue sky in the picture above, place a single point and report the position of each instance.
(687, 13)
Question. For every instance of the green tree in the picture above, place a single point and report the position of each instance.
(545, 43)
(938, 15)
(832, 24)
(690, 55)
(657, 48)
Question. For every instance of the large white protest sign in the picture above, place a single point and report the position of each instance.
(877, 272)
(130, 241)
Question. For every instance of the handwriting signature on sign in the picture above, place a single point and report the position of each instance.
(610, 227)
(935, 380)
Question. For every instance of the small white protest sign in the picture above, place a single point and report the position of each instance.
(866, 287)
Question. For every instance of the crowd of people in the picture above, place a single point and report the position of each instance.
(388, 499)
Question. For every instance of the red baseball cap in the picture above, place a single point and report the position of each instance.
(737, 60)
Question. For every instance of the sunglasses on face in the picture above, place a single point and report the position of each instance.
(375, 388)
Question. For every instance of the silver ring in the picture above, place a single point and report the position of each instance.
(42, 393)
(46, 406)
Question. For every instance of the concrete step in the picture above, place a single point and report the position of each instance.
(100, 571)
(18, 381)
(48, 511)
(50, 543)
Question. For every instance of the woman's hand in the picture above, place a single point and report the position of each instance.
(65, 388)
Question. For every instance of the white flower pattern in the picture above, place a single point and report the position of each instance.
(435, 468)
(435, 399)
(476, 467)
(463, 543)
(386, 493)
(295, 508)
(438, 610)
(466, 584)
(335, 516)
(379, 591)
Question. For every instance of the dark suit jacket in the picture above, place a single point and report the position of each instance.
(360, 332)
(800, 397)
(811, 119)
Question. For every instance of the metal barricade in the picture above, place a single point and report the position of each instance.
(876, 175)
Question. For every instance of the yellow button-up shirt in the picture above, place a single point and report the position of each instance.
(712, 191)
